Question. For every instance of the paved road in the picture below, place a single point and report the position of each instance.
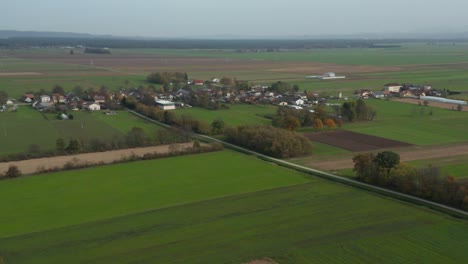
(329, 176)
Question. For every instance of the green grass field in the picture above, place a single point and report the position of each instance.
(408, 54)
(221, 207)
(28, 126)
(456, 166)
(404, 122)
(238, 114)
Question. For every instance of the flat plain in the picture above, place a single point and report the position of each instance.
(225, 207)
(197, 209)
(27, 126)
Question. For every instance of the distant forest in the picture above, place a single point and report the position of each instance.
(264, 44)
(239, 44)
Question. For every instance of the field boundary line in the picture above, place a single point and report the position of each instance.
(328, 176)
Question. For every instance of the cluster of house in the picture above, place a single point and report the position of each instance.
(400, 90)
(9, 106)
(255, 94)
(64, 102)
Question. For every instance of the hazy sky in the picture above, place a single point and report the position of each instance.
(177, 18)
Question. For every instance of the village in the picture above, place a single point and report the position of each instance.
(210, 94)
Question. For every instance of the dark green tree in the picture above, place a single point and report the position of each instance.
(361, 110)
(58, 89)
(217, 127)
(60, 145)
(348, 111)
(136, 137)
(3, 97)
(74, 146)
(13, 172)
(387, 160)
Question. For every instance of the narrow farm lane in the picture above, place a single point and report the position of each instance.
(410, 155)
(32, 165)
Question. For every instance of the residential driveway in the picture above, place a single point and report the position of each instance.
(31, 166)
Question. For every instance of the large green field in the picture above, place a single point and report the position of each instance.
(442, 66)
(414, 124)
(221, 207)
(455, 166)
(408, 54)
(28, 126)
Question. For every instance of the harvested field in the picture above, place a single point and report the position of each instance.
(354, 141)
(32, 166)
(8, 74)
(431, 103)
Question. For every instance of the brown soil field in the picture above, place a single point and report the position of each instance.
(8, 74)
(431, 103)
(32, 166)
(425, 153)
(354, 141)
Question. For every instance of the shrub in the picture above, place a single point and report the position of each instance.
(12, 172)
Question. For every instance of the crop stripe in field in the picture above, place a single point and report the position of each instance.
(382, 191)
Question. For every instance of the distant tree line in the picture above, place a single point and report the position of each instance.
(174, 150)
(136, 137)
(268, 140)
(356, 111)
(164, 78)
(97, 50)
(17, 42)
(385, 170)
(292, 119)
(205, 100)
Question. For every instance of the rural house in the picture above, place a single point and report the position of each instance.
(198, 82)
(392, 87)
(99, 99)
(45, 99)
(94, 107)
(58, 98)
(28, 98)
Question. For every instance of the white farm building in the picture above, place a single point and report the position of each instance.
(165, 105)
(326, 76)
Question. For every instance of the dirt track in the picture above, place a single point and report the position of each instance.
(9, 74)
(409, 155)
(431, 103)
(31, 166)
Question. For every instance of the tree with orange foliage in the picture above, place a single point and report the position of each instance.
(330, 123)
(318, 123)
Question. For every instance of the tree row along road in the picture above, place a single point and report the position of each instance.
(329, 176)
(31, 166)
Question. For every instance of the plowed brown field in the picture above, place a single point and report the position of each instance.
(355, 141)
